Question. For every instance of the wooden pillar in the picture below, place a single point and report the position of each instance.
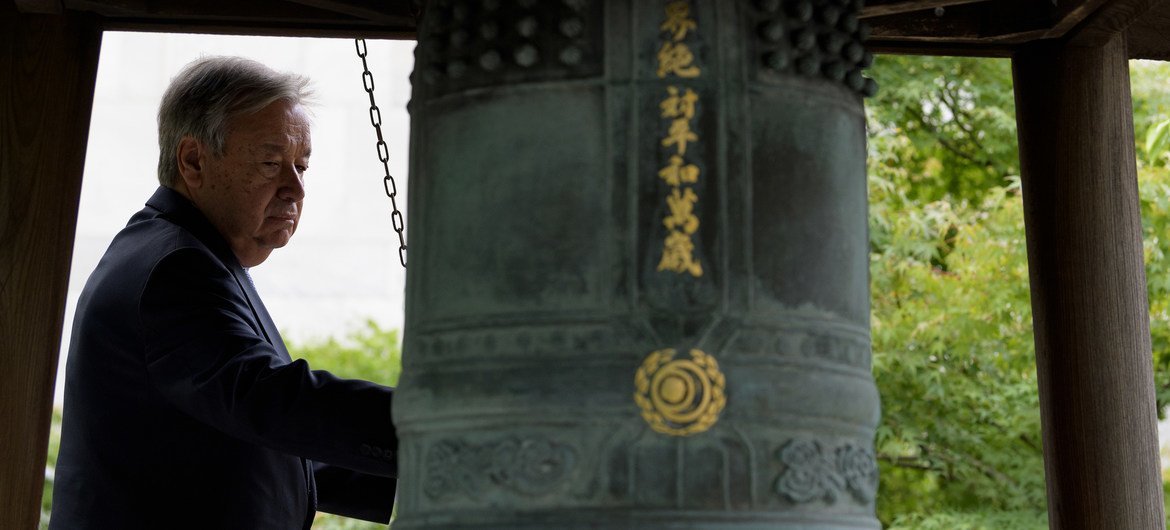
(48, 65)
(1090, 312)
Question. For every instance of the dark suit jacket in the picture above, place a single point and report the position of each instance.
(183, 408)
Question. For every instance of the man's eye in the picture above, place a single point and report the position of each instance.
(302, 169)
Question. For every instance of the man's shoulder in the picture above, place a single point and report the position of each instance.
(170, 223)
(150, 239)
(141, 247)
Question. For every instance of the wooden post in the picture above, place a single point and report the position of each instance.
(1090, 312)
(48, 64)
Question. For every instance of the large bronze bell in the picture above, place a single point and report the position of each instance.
(638, 290)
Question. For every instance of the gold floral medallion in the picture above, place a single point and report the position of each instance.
(679, 397)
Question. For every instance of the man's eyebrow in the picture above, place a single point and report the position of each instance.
(273, 147)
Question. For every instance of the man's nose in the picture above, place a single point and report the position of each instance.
(292, 188)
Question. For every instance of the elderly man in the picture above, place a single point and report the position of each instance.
(183, 408)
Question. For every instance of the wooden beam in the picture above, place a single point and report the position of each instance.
(49, 63)
(43, 7)
(1147, 35)
(300, 18)
(359, 10)
(956, 49)
(991, 22)
(259, 28)
(879, 8)
(973, 27)
(1067, 15)
(1110, 20)
(1083, 225)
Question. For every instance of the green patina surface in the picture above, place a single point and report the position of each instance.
(638, 293)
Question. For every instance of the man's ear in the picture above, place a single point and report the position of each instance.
(191, 154)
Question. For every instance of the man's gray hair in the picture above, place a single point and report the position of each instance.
(207, 94)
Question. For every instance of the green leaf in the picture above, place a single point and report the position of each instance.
(1157, 142)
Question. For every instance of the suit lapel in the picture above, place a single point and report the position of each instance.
(175, 207)
(268, 327)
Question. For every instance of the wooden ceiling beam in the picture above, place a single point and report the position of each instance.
(995, 28)
(879, 8)
(1148, 34)
(950, 49)
(988, 22)
(275, 29)
(40, 7)
(293, 18)
(255, 11)
(362, 10)
(1109, 20)
(1068, 15)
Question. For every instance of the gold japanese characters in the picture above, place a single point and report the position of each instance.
(676, 60)
(683, 396)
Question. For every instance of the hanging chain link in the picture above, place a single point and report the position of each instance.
(383, 152)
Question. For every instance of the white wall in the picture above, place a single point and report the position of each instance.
(342, 265)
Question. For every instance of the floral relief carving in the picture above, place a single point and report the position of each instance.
(814, 473)
(526, 466)
(859, 469)
(809, 473)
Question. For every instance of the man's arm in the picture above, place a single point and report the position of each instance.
(206, 356)
(352, 494)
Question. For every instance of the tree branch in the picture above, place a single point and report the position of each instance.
(908, 462)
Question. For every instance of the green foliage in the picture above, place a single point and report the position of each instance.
(1028, 520)
(1151, 97)
(959, 444)
(326, 521)
(1157, 143)
(953, 357)
(50, 466)
(944, 127)
(368, 352)
(1154, 186)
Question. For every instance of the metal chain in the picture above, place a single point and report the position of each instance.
(383, 152)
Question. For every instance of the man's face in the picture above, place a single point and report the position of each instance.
(253, 193)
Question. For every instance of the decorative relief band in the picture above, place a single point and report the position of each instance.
(680, 397)
(814, 38)
(467, 43)
(811, 344)
(438, 347)
(812, 472)
(526, 466)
